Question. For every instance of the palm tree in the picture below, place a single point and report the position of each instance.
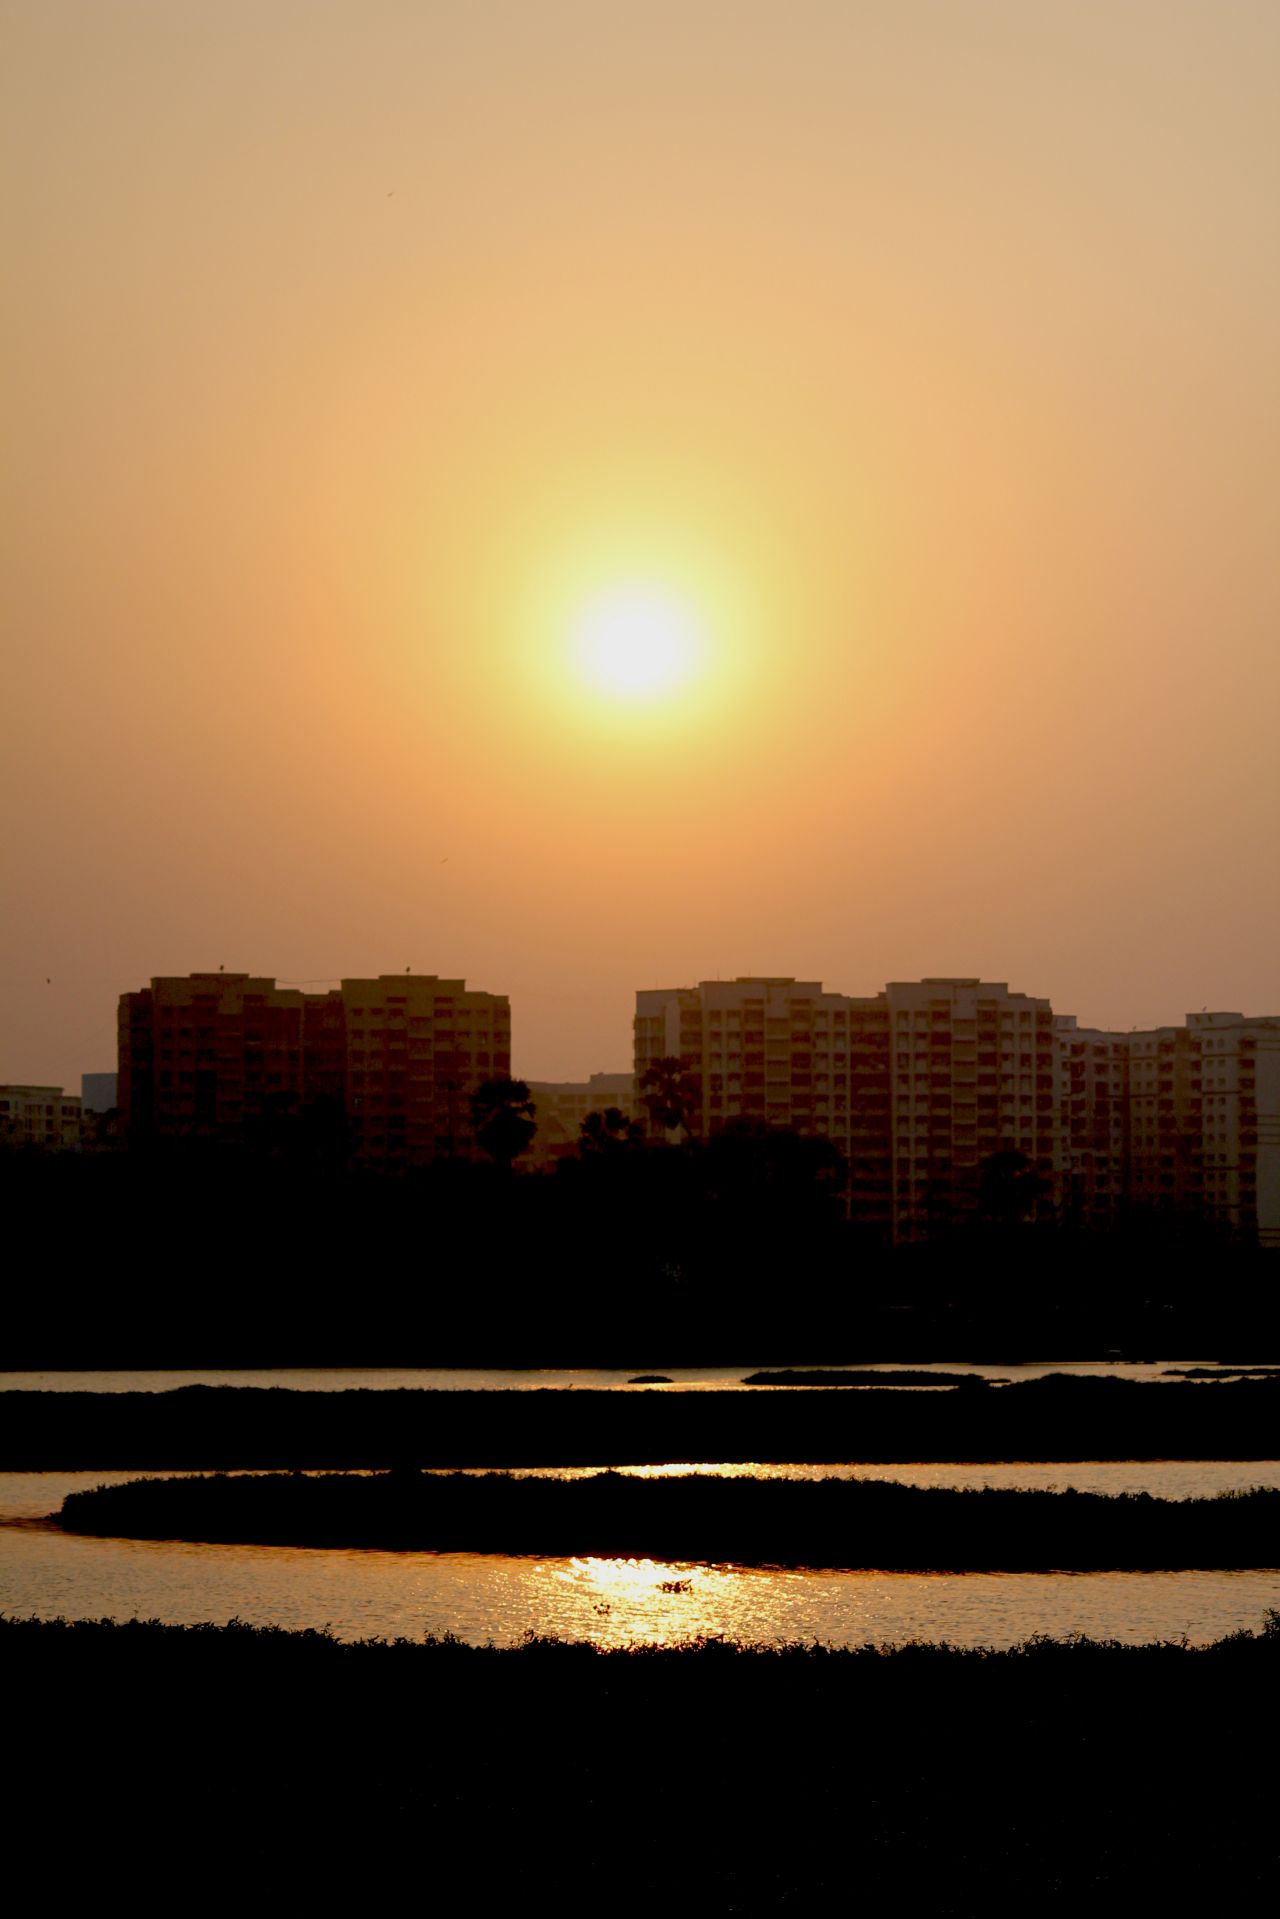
(503, 1116)
(675, 1094)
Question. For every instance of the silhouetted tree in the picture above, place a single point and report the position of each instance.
(1009, 1188)
(503, 1116)
(102, 1132)
(606, 1131)
(669, 1093)
(750, 1168)
(275, 1131)
(323, 1134)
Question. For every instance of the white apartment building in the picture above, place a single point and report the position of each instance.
(40, 1116)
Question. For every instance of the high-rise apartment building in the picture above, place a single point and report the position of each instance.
(870, 1150)
(1180, 1121)
(784, 1052)
(973, 1074)
(1164, 1148)
(214, 1056)
(231, 1059)
(769, 1049)
(417, 1048)
(916, 1086)
(1235, 1064)
(1093, 1104)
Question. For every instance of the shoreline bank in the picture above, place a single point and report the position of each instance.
(1058, 1418)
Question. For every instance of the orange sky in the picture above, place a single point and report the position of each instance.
(927, 352)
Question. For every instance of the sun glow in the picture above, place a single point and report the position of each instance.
(637, 642)
(621, 634)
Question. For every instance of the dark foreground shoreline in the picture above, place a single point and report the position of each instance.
(204, 1428)
(830, 1523)
(214, 1763)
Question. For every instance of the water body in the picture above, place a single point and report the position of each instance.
(490, 1598)
(493, 1379)
(1163, 1478)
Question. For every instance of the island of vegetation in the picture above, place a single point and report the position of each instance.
(833, 1523)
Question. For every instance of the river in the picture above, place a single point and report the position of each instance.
(336, 1379)
(486, 1598)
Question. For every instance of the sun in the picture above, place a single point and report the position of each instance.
(637, 642)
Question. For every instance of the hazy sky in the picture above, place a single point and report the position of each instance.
(924, 354)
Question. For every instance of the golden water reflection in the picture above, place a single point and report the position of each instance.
(1162, 1478)
(611, 1601)
(630, 1596)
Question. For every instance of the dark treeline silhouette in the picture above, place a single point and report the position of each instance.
(846, 1523)
(227, 1763)
(1055, 1418)
(829, 1376)
(626, 1254)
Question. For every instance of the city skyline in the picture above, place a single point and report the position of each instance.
(559, 1071)
(921, 1089)
(581, 1062)
(697, 579)
(574, 500)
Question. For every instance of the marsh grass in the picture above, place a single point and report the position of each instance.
(204, 1764)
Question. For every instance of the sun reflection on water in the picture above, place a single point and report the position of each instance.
(657, 1600)
(487, 1598)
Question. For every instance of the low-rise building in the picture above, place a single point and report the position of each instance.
(42, 1116)
(562, 1105)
